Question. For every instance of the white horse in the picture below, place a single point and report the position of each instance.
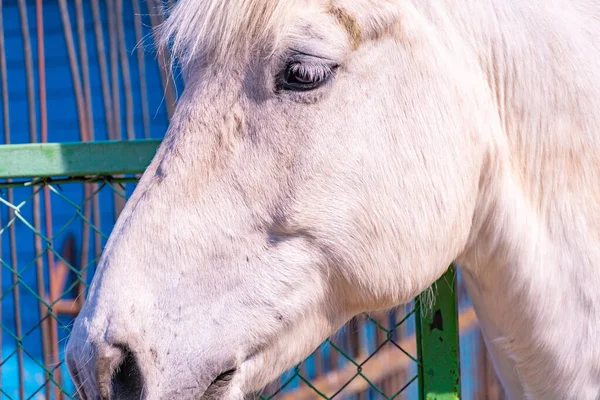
(329, 157)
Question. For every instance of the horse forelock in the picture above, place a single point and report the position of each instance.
(221, 29)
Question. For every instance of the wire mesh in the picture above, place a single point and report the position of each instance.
(373, 356)
(49, 268)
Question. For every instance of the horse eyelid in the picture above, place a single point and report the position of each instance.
(297, 52)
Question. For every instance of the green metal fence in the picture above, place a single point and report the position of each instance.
(402, 353)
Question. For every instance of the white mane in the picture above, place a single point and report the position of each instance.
(220, 29)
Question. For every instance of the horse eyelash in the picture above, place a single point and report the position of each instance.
(312, 71)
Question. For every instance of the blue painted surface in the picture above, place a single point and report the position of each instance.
(63, 126)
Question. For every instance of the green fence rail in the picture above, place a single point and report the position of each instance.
(413, 353)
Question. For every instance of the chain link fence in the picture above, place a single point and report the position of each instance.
(51, 235)
(52, 232)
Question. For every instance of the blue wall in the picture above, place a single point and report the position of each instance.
(63, 126)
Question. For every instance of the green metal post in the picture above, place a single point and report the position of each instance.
(437, 342)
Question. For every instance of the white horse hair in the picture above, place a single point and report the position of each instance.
(228, 28)
(332, 157)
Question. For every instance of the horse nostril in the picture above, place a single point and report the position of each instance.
(119, 375)
(219, 385)
(127, 382)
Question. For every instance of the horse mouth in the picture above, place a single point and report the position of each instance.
(219, 386)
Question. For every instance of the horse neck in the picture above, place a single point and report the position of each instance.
(532, 264)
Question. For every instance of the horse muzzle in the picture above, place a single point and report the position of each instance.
(113, 372)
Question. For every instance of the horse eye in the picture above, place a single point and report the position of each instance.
(301, 77)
